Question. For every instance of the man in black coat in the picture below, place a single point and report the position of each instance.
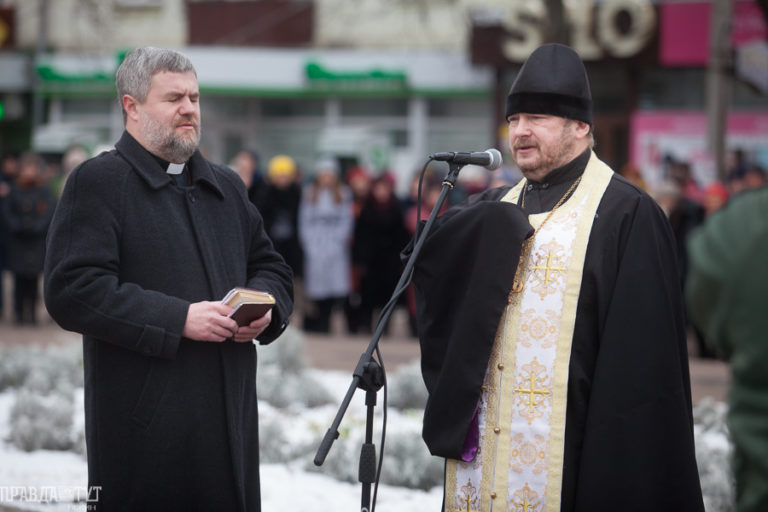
(552, 328)
(146, 241)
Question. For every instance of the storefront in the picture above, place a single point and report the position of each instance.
(386, 110)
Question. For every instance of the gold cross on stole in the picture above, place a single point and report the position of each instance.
(469, 502)
(548, 268)
(532, 391)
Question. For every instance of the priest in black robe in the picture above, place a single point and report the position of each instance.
(627, 437)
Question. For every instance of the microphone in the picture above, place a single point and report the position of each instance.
(490, 158)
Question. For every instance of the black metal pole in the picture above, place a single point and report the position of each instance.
(367, 368)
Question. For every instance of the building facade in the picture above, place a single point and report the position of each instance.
(379, 82)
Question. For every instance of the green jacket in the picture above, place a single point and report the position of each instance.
(727, 294)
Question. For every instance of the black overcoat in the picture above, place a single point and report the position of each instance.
(171, 423)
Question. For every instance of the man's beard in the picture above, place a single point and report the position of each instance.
(166, 143)
(551, 158)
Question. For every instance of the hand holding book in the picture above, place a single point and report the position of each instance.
(247, 304)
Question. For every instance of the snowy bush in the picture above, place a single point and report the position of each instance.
(42, 422)
(276, 446)
(406, 387)
(713, 455)
(41, 370)
(42, 416)
(282, 380)
(286, 353)
(408, 463)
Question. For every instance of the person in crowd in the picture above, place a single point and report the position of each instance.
(379, 237)
(72, 157)
(684, 216)
(146, 241)
(713, 197)
(9, 169)
(632, 174)
(325, 230)
(754, 177)
(680, 172)
(27, 210)
(430, 192)
(552, 328)
(359, 181)
(280, 210)
(246, 164)
(726, 297)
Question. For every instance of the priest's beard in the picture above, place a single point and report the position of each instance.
(166, 143)
(551, 155)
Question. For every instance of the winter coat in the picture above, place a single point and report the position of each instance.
(171, 423)
(280, 209)
(726, 298)
(380, 236)
(325, 229)
(27, 213)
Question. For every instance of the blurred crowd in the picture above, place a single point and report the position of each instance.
(340, 229)
(688, 204)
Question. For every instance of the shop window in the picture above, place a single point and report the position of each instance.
(374, 107)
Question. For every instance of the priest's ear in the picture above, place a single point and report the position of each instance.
(581, 129)
(130, 108)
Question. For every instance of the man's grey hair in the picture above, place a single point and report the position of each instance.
(134, 76)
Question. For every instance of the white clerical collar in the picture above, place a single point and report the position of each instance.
(175, 168)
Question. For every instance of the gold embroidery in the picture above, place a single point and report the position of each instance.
(529, 453)
(541, 329)
(517, 284)
(549, 276)
(525, 500)
(548, 269)
(468, 499)
(528, 407)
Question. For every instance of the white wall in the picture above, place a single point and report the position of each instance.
(101, 26)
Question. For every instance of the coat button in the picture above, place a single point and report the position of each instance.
(493, 495)
(501, 367)
(496, 430)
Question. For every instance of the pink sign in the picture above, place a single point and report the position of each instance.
(684, 29)
(656, 136)
(684, 34)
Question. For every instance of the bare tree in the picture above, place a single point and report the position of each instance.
(556, 28)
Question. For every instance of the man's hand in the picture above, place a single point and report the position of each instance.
(252, 331)
(208, 321)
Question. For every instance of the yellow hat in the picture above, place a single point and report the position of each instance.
(281, 165)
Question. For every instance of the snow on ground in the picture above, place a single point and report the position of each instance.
(25, 477)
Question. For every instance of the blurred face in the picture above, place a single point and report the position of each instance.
(360, 186)
(29, 175)
(282, 180)
(168, 122)
(326, 179)
(244, 166)
(540, 143)
(382, 191)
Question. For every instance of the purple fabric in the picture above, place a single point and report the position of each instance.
(472, 441)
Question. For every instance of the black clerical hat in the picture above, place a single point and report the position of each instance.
(552, 81)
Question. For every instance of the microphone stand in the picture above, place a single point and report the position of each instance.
(368, 374)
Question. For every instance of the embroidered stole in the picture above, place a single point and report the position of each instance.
(521, 413)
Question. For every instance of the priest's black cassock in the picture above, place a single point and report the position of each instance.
(629, 428)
